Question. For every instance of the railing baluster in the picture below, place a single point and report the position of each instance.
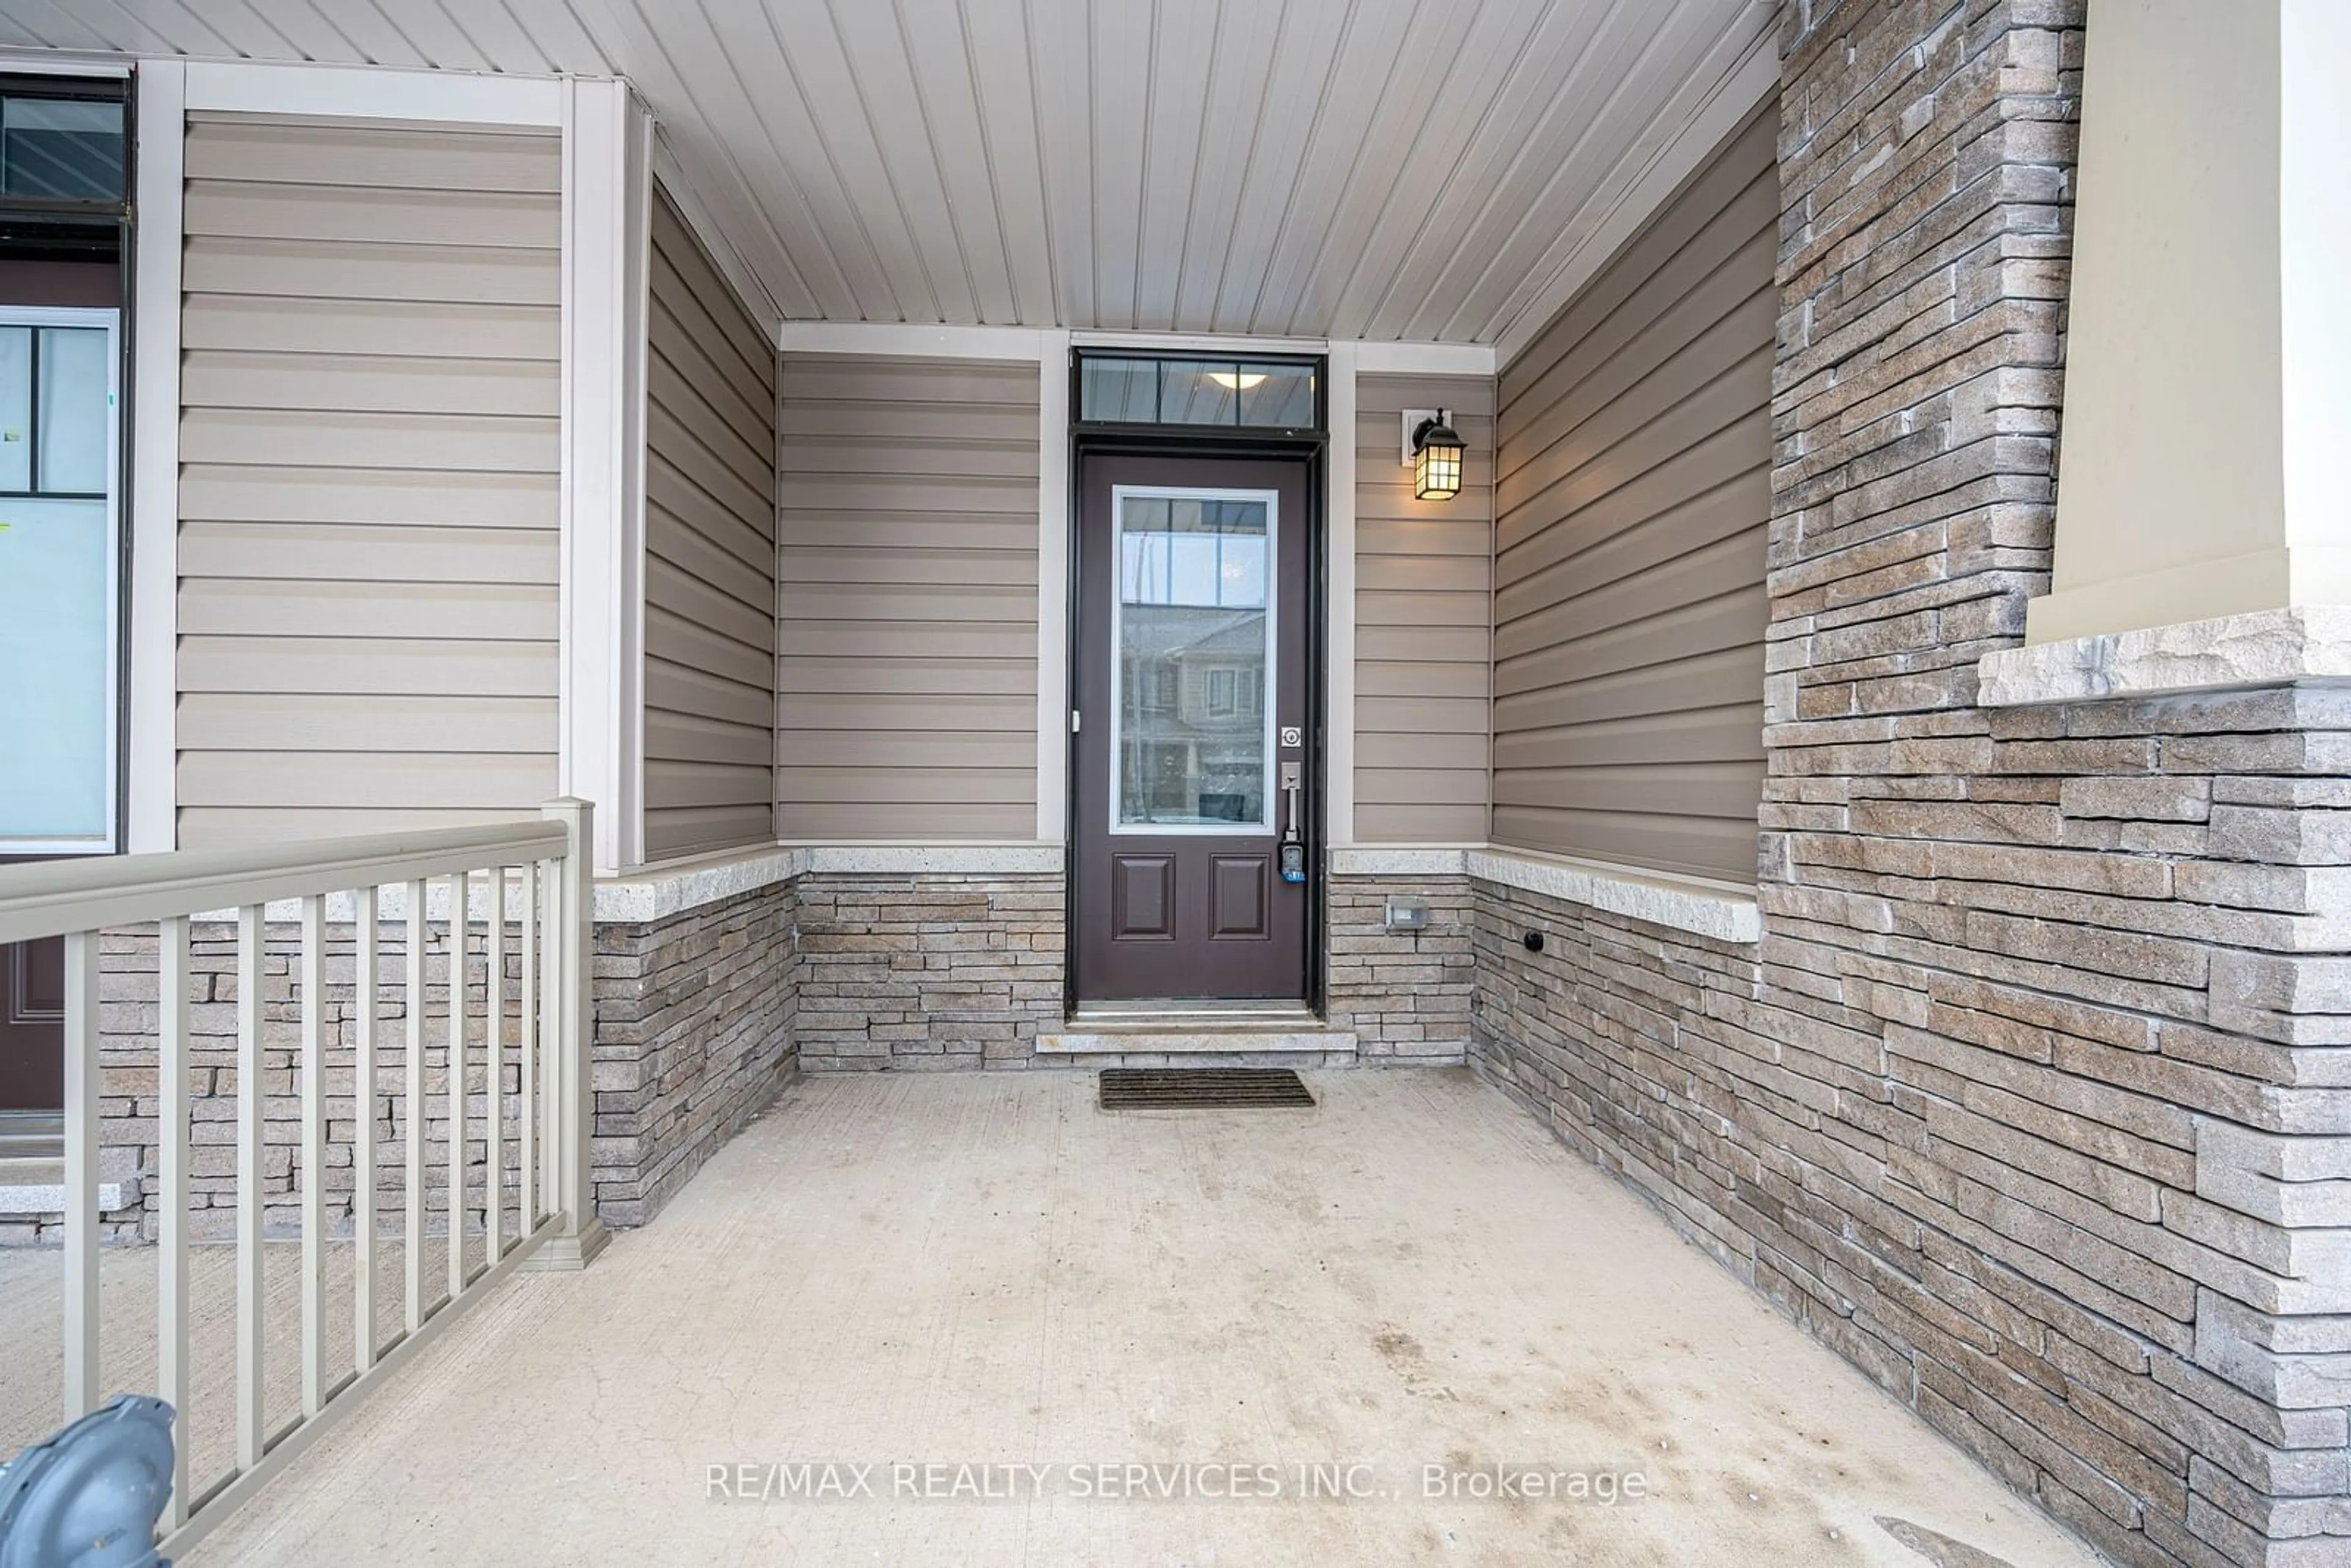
(364, 960)
(81, 1327)
(527, 1205)
(494, 1122)
(172, 1222)
(314, 1154)
(459, 938)
(412, 1254)
(543, 869)
(250, 933)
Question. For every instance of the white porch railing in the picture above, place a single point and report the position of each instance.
(529, 884)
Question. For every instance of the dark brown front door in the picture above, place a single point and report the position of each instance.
(1193, 760)
(33, 1025)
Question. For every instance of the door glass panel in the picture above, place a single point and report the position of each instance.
(1193, 631)
(73, 415)
(56, 706)
(16, 409)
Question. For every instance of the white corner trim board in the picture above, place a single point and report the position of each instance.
(606, 184)
(1053, 588)
(151, 675)
(2263, 648)
(1339, 600)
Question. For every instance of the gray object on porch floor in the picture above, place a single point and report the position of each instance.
(1200, 1088)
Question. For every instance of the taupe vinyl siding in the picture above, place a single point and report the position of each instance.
(1632, 493)
(906, 637)
(710, 558)
(367, 494)
(1423, 581)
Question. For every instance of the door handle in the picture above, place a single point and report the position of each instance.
(1293, 856)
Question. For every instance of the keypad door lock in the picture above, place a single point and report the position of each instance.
(1293, 834)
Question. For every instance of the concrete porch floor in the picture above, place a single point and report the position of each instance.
(987, 1269)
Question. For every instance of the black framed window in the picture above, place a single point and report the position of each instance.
(1195, 391)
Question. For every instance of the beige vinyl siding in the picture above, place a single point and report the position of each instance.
(1632, 493)
(710, 558)
(906, 637)
(1423, 581)
(367, 492)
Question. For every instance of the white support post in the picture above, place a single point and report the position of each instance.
(606, 198)
(171, 1368)
(1339, 612)
(154, 510)
(571, 1051)
(1053, 588)
(81, 1302)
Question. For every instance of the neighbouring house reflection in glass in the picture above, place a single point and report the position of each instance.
(1192, 655)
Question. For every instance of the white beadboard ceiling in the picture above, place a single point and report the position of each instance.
(1414, 170)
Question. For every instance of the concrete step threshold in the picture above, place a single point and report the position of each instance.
(1204, 1030)
(35, 1188)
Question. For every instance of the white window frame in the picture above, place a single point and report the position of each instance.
(110, 320)
(1272, 501)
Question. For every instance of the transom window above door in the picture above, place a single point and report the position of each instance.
(1197, 392)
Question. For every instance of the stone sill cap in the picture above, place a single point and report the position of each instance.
(2262, 648)
(1699, 905)
(658, 892)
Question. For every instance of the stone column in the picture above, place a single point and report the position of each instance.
(2208, 378)
(2057, 1118)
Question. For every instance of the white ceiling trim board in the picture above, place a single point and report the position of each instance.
(919, 340)
(375, 92)
(1209, 342)
(1425, 359)
(907, 339)
(50, 64)
(1750, 78)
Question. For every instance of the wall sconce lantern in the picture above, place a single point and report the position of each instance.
(1435, 460)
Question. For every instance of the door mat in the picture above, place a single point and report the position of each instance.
(1201, 1088)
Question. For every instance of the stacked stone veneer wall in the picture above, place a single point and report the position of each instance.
(928, 971)
(1405, 994)
(695, 1022)
(2033, 1099)
(128, 1108)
